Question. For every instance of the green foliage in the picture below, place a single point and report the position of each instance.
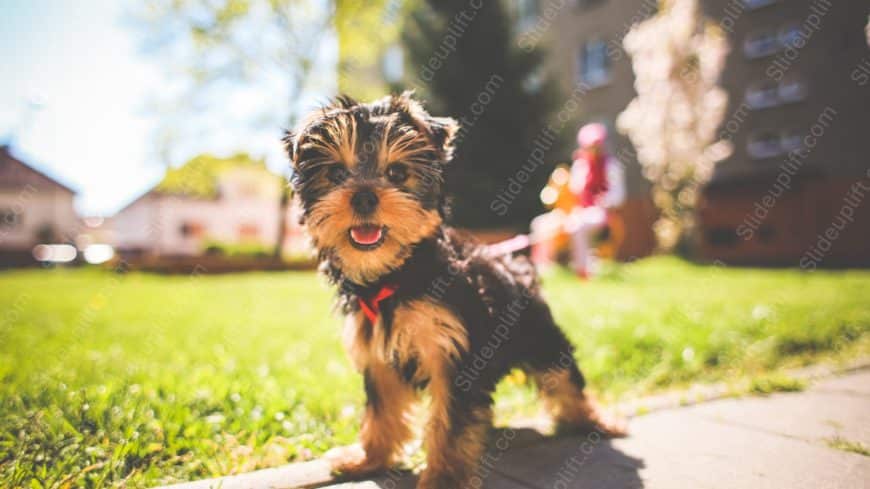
(217, 49)
(199, 176)
(768, 384)
(154, 379)
(141, 380)
(850, 446)
(463, 67)
(237, 249)
(665, 321)
(365, 30)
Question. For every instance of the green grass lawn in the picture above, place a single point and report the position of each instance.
(140, 379)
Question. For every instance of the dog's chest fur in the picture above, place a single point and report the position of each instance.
(417, 338)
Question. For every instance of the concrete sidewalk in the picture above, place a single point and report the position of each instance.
(781, 441)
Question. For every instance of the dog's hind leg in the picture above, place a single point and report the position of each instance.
(562, 388)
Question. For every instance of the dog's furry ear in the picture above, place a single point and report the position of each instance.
(342, 101)
(441, 131)
(291, 137)
(289, 141)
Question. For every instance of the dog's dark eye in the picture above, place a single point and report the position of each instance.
(337, 173)
(397, 172)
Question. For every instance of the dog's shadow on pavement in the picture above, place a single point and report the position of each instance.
(524, 458)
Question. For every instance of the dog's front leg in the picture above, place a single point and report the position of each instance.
(455, 436)
(385, 427)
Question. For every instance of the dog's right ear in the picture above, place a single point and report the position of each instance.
(289, 141)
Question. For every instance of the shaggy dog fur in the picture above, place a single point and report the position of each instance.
(427, 308)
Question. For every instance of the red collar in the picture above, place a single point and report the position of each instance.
(371, 307)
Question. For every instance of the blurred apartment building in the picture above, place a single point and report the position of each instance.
(797, 79)
(34, 208)
(793, 191)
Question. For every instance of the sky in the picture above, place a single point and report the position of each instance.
(74, 102)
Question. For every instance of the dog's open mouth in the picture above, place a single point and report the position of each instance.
(367, 236)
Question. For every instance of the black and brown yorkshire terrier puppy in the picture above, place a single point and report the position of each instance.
(427, 309)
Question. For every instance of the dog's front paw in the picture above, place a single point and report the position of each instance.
(605, 424)
(352, 461)
(611, 425)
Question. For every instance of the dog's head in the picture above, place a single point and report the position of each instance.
(369, 177)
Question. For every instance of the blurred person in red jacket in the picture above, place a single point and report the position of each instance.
(596, 184)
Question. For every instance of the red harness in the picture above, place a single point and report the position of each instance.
(371, 307)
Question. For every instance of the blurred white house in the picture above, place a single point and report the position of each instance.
(210, 204)
(34, 208)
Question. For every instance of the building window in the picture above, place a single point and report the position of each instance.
(191, 229)
(393, 64)
(760, 44)
(722, 237)
(791, 36)
(791, 140)
(535, 80)
(527, 13)
(764, 145)
(762, 95)
(767, 94)
(594, 64)
(9, 219)
(769, 144)
(757, 4)
(248, 232)
(767, 42)
(792, 89)
(247, 189)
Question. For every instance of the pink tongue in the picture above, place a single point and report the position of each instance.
(366, 235)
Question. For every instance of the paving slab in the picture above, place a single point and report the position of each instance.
(855, 383)
(491, 481)
(671, 450)
(681, 450)
(777, 441)
(813, 416)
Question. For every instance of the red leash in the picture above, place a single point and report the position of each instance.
(509, 246)
(523, 241)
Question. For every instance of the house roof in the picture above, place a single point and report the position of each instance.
(16, 173)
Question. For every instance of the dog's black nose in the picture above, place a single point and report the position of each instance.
(364, 202)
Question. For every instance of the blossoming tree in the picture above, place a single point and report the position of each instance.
(677, 57)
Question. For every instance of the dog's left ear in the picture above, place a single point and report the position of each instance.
(441, 131)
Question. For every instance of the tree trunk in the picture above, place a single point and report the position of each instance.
(282, 221)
